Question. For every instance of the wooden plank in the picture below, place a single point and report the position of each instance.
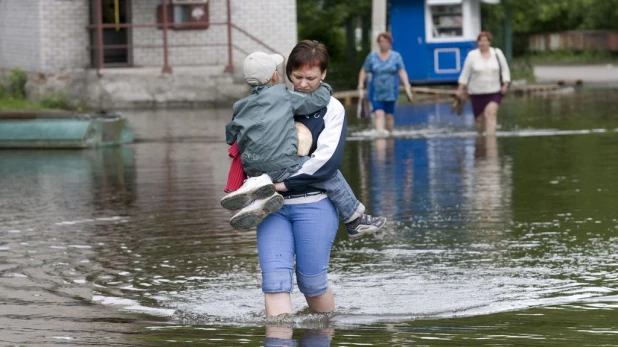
(436, 93)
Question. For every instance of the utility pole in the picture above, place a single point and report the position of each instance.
(378, 21)
(508, 33)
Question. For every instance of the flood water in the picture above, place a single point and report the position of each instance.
(510, 241)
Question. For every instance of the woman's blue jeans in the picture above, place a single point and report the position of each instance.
(305, 231)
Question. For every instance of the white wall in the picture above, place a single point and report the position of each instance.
(64, 35)
(271, 21)
(20, 34)
(145, 12)
(52, 35)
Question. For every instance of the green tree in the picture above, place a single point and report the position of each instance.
(599, 14)
(322, 21)
(533, 16)
(334, 23)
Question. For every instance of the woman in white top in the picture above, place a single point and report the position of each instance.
(487, 76)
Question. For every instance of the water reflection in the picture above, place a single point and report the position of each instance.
(414, 179)
(42, 193)
(489, 186)
(99, 179)
(490, 239)
(277, 336)
(433, 116)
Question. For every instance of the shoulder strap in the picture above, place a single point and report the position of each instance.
(496, 50)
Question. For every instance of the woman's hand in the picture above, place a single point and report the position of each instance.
(409, 94)
(460, 93)
(504, 89)
(280, 187)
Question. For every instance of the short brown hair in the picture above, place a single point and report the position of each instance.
(385, 35)
(308, 53)
(482, 34)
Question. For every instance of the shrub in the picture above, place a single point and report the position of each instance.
(522, 69)
(57, 100)
(17, 84)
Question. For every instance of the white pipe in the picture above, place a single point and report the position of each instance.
(378, 21)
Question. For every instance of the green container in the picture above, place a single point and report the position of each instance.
(62, 130)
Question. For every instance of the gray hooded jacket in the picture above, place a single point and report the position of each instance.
(263, 125)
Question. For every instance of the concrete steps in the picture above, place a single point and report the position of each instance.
(131, 88)
(148, 87)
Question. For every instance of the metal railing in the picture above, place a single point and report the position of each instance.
(165, 25)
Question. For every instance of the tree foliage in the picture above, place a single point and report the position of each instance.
(545, 16)
(333, 22)
(538, 16)
(324, 20)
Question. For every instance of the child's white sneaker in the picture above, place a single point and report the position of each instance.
(365, 224)
(254, 188)
(256, 211)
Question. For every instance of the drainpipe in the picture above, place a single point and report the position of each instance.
(230, 66)
(99, 21)
(166, 66)
(378, 21)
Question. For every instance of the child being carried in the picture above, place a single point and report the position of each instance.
(273, 148)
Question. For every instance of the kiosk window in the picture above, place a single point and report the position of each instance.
(446, 18)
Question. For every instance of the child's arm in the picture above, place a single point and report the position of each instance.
(307, 103)
(328, 156)
(231, 130)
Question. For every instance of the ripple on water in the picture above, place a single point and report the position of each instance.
(131, 305)
(433, 133)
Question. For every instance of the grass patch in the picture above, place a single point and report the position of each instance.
(13, 96)
(9, 103)
(48, 102)
(522, 69)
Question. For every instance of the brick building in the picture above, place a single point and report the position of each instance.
(57, 42)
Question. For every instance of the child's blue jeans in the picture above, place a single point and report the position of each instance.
(337, 189)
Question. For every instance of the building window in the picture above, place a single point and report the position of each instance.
(182, 14)
(186, 15)
(446, 18)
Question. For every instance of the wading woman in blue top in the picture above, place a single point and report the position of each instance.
(387, 71)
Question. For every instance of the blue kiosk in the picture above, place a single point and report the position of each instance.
(434, 36)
